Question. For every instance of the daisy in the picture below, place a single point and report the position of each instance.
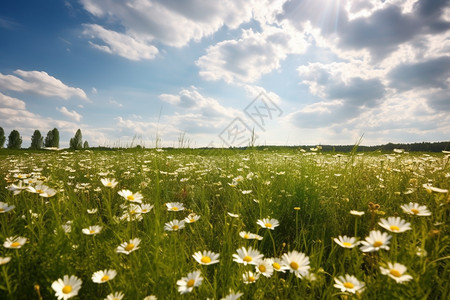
(397, 272)
(151, 297)
(115, 296)
(4, 207)
(250, 256)
(128, 247)
(187, 284)
(268, 223)
(206, 257)
(346, 242)
(92, 211)
(67, 287)
(264, 267)
(192, 218)
(349, 283)
(376, 241)
(42, 190)
(16, 188)
(278, 265)
(129, 196)
(4, 260)
(175, 206)
(297, 262)
(250, 236)
(146, 208)
(250, 277)
(14, 242)
(174, 225)
(92, 230)
(103, 276)
(416, 209)
(395, 224)
(233, 296)
(233, 215)
(109, 182)
(356, 213)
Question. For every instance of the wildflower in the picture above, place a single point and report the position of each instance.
(206, 257)
(346, 242)
(376, 241)
(297, 262)
(128, 247)
(4, 207)
(246, 192)
(175, 206)
(349, 283)
(192, 218)
(145, 208)
(4, 260)
(250, 236)
(397, 272)
(109, 182)
(268, 223)
(278, 265)
(129, 196)
(356, 213)
(250, 256)
(92, 211)
(431, 188)
(92, 230)
(14, 242)
(151, 297)
(103, 276)
(187, 284)
(264, 267)
(174, 225)
(115, 296)
(395, 224)
(250, 277)
(67, 287)
(16, 188)
(233, 215)
(42, 190)
(416, 209)
(232, 296)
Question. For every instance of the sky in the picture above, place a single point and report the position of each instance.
(198, 73)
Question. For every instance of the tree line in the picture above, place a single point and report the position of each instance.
(38, 141)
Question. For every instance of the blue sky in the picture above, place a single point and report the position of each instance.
(212, 72)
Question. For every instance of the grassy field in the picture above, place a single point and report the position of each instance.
(274, 222)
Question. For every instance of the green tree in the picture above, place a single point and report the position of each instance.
(52, 138)
(37, 141)
(2, 137)
(77, 141)
(14, 140)
(86, 145)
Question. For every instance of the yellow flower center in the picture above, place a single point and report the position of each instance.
(15, 244)
(377, 243)
(262, 268)
(67, 289)
(297, 208)
(247, 258)
(349, 285)
(175, 208)
(109, 184)
(190, 283)
(2, 210)
(268, 225)
(246, 236)
(104, 278)
(130, 197)
(91, 231)
(276, 265)
(346, 244)
(251, 278)
(294, 265)
(129, 247)
(175, 227)
(39, 191)
(132, 212)
(414, 211)
(395, 273)
(394, 228)
(206, 259)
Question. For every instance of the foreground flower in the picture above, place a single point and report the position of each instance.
(356, 213)
(278, 265)
(206, 258)
(264, 267)
(250, 256)
(128, 247)
(349, 283)
(109, 182)
(268, 223)
(103, 276)
(174, 225)
(4, 207)
(42, 190)
(92, 230)
(395, 224)
(250, 277)
(233, 296)
(297, 262)
(175, 206)
(376, 241)
(115, 296)
(192, 218)
(250, 236)
(187, 284)
(416, 209)
(346, 242)
(129, 196)
(14, 242)
(4, 260)
(397, 272)
(67, 287)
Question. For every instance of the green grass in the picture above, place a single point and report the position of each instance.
(324, 186)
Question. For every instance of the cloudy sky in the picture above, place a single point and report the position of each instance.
(202, 72)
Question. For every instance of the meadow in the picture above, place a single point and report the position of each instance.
(199, 224)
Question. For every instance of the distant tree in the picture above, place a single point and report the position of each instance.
(37, 141)
(14, 140)
(2, 137)
(86, 145)
(48, 139)
(52, 138)
(76, 142)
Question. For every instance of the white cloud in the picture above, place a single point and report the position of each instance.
(70, 113)
(11, 102)
(41, 83)
(115, 103)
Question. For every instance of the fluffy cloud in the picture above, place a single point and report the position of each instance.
(39, 82)
(70, 113)
(11, 102)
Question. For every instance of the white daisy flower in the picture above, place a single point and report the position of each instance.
(109, 182)
(187, 284)
(15, 242)
(346, 242)
(67, 287)
(92, 230)
(250, 256)
(268, 223)
(297, 262)
(250, 236)
(375, 241)
(264, 267)
(174, 225)
(103, 276)
(416, 209)
(130, 196)
(206, 257)
(128, 247)
(349, 283)
(395, 224)
(397, 272)
(115, 296)
(250, 277)
(4, 207)
(175, 206)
